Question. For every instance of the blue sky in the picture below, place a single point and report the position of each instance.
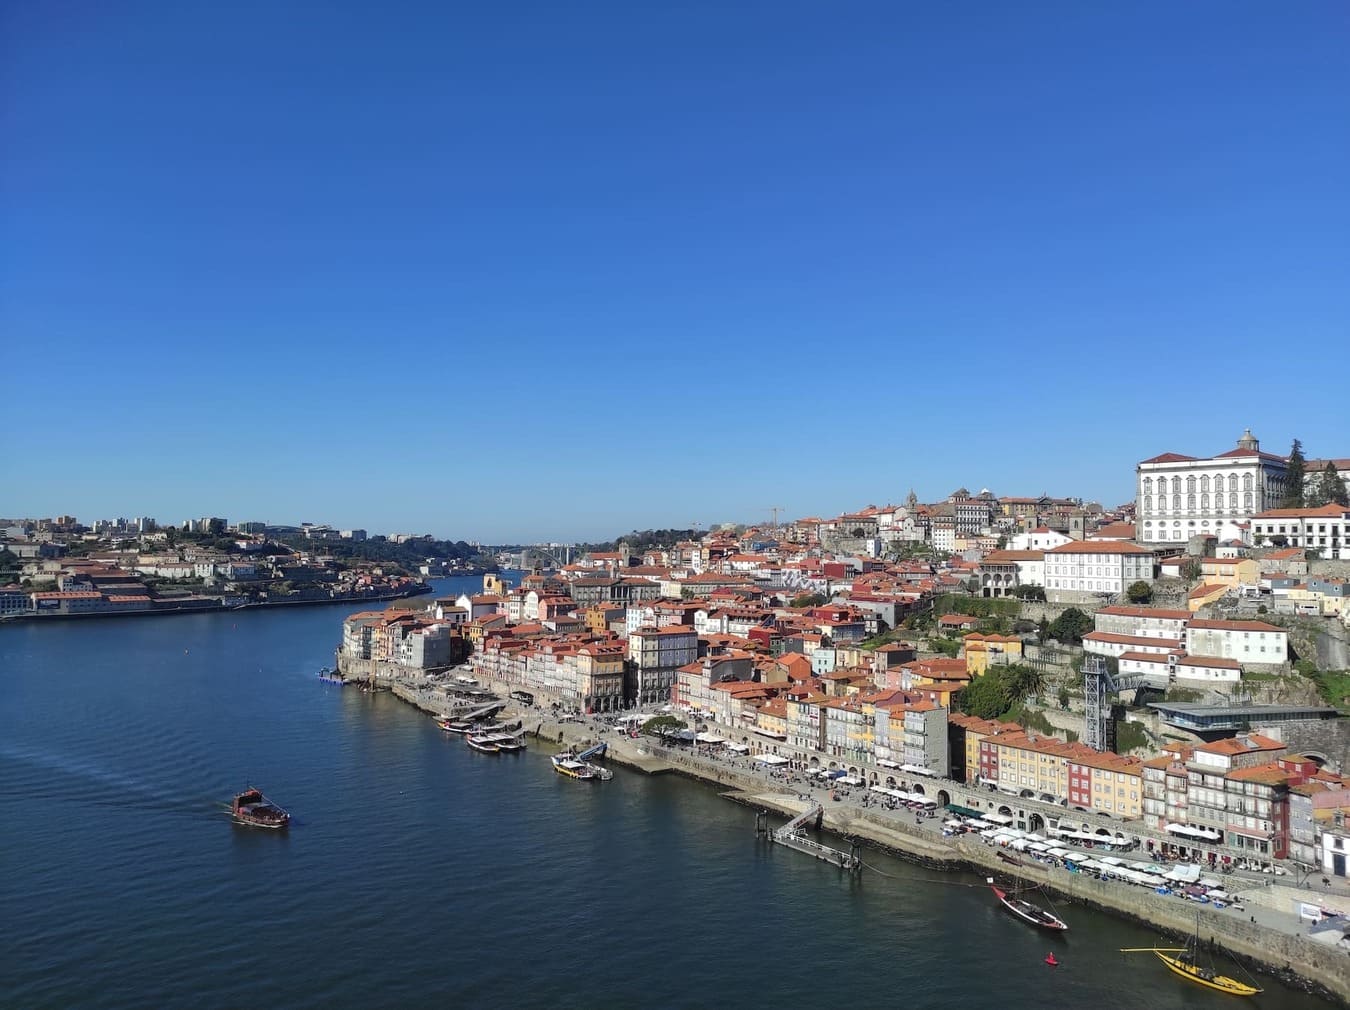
(514, 271)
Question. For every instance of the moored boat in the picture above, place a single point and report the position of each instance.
(1185, 961)
(253, 809)
(1028, 912)
(483, 743)
(510, 743)
(567, 764)
(451, 726)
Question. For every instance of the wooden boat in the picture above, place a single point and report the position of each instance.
(509, 743)
(252, 809)
(455, 727)
(1185, 961)
(1028, 912)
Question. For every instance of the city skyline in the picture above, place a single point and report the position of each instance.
(637, 268)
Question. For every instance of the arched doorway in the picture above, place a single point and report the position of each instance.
(1005, 810)
(1035, 822)
(918, 789)
(944, 798)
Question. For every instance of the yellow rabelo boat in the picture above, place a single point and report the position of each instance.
(1184, 961)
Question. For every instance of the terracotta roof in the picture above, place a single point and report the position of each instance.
(1007, 557)
(1154, 612)
(1213, 662)
(1098, 547)
(1246, 743)
(1322, 512)
(1235, 626)
(1170, 457)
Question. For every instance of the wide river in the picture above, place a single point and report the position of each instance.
(417, 873)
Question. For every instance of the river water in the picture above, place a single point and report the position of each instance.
(417, 873)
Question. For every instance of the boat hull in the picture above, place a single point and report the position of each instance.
(1191, 973)
(1040, 918)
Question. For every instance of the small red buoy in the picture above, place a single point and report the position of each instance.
(1050, 959)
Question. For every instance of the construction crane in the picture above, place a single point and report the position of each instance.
(775, 509)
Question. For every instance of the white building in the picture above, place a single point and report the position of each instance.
(1244, 641)
(1178, 497)
(1325, 530)
(1143, 622)
(1093, 568)
(1042, 538)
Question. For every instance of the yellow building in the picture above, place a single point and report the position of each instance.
(964, 733)
(1230, 571)
(1205, 594)
(984, 651)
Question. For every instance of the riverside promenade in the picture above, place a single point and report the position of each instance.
(1272, 940)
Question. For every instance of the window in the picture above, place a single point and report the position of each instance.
(1204, 483)
(1204, 501)
(1176, 502)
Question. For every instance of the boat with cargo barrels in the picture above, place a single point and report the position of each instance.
(1028, 912)
(252, 809)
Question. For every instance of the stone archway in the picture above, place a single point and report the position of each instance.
(890, 781)
(1035, 822)
(918, 788)
(1005, 810)
(944, 798)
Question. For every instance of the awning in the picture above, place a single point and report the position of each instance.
(739, 748)
(772, 734)
(963, 811)
(997, 818)
(1192, 832)
(915, 770)
(709, 738)
(771, 759)
(889, 764)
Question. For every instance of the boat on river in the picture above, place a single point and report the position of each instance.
(567, 764)
(252, 809)
(484, 743)
(453, 726)
(1028, 912)
(1185, 961)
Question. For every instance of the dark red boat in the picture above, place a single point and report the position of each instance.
(254, 809)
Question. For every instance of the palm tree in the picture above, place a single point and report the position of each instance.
(1023, 681)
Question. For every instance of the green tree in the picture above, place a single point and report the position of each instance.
(1191, 570)
(984, 697)
(1139, 592)
(663, 724)
(1293, 477)
(1071, 626)
(808, 600)
(1329, 490)
(1063, 697)
(1021, 681)
(1043, 628)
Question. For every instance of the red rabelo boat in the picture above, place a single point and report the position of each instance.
(255, 810)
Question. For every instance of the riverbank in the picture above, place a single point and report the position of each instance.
(213, 605)
(1292, 957)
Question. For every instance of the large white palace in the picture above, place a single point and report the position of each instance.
(1178, 497)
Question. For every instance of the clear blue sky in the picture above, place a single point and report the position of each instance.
(513, 271)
